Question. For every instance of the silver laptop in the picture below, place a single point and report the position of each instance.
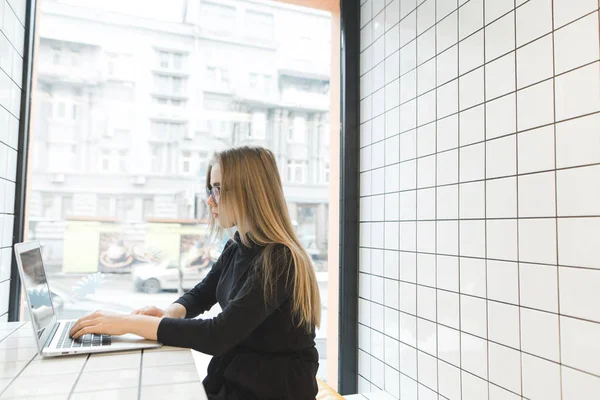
(52, 335)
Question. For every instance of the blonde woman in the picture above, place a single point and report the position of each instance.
(262, 342)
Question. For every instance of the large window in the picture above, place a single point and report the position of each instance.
(127, 121)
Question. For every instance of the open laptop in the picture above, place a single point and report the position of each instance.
(52, 335)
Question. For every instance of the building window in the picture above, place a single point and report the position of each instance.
(259, 25)
(67, 206)
(326, 173)
(297, 131)
(253, 81)
(61, 110)
(169, 85)
(186, 162)
(123, 161)
(297, 171)
(259, 125)
(148, 208)
(170, 60)
(75, 115)
(217, 76)
(167, 130)
(103, 206)
(105, 161)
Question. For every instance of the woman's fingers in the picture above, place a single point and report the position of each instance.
(82, 323)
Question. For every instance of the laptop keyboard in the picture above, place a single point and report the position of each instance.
(89, 340)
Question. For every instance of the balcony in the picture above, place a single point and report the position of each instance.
(68, 74)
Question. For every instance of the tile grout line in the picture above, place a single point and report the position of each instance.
(78, 376)
(139, 396)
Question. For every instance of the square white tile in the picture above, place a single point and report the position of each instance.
(449, 345)
(499, 37)
(540, 334)
(408, 329)
(535, 62)
(408, 116)
(577, 242)
(392, 95)
(392, 14)
(408, 28)
(538, 286)
(447, 167)
(408, 145)
(500, 77)
(566, 11)
(426, 303)
(579, 295)
(408, 57)
(535, 106)
(505, 367)
(537, 240)
(447, 32)
(474, 388)
(501, 157)
(578, 142)
(392, 323)
(426, 171)
(447, 238)
(473, 277)
(578, 192)
(578, 385)
(472, 162)
(473, 315)
(472, 238)
(502, 239)
(578, 92)
(584, 33)
(471, 53)
(426, 142)
(503, 281)
(534, 19)
(541, 378)
(392, 125)
(427, 337)
(426, 269)
(494, 9)
(392, 40)
(501, 198)
(392, 352)
(426, 46)
(470, 18)
(536, 150)
(425, 16)
(447, 202)
(471, 88)
(474, 355)
(449, 380)
(447, 269)
(426, 105)
(447, 65)
(537, 195)
(578, 344)
(408, 361)
(408, 176)
(472, 126)
(408, 298)
(392, 178)
(427, 367)
(447, 99)
(448, 309)
(503, 324)
(408, 205)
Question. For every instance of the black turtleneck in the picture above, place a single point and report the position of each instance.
(253, 341)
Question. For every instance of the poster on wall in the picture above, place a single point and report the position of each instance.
(119, 254)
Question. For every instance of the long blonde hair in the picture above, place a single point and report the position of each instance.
(252, 197)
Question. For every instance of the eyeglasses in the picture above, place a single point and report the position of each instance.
(214, 193)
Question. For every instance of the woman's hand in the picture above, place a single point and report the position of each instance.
(100, 322)
(150, 311)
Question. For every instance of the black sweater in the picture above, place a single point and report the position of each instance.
(259, 352)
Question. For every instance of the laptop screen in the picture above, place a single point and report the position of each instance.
(38, 292)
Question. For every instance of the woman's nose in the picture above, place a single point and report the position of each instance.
(211, 202)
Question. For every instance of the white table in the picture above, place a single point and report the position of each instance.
(168, 372)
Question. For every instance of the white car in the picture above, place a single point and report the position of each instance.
(154, 278)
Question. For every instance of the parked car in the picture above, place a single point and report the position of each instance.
(154, 278)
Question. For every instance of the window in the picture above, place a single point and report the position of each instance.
(75, 115)
(163, 59)
(148, 208)
(170, 59)
(167, 131)
(326, 173)
(103, 206)
(186, 162)
(169, 85)
(61, 110)
(259, 125)
(253, 81)
(67, 206)
(156, 159)
(298, 130)
(56, 56)
(105, 161)
(297, 171)
(259, 25)
(123, 161)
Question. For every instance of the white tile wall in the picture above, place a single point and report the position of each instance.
(12, 33)
(480, 266)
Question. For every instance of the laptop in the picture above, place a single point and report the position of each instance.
(52, 335)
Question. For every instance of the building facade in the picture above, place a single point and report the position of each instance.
(129, 110)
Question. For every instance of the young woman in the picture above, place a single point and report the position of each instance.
(262, 342)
